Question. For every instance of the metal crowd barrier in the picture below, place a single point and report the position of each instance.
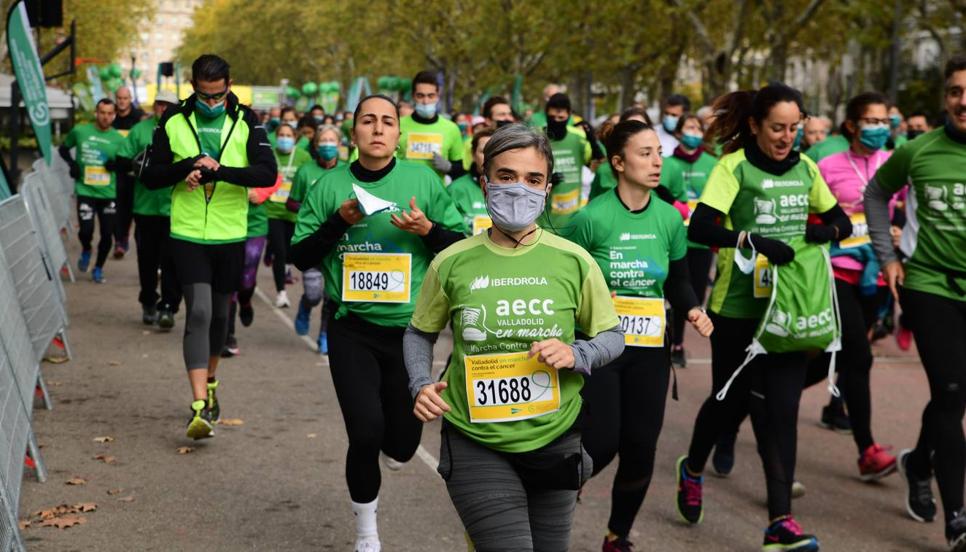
(33, 312)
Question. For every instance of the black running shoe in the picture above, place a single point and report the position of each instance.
(919, 500)
(786, 534)
(689, 501)
(956, 532)
(165, 319)
(835, 418)
(231, 347)
(678, 358)
(723, 460)
(246, 314)
(149, 315)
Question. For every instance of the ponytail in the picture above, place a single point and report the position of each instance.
(732, 112)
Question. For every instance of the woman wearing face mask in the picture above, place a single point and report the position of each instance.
(684, 174)
(466, 191)
(640, 245)
(758, 197)
(325, 154)
(516, 295)
(373, 228)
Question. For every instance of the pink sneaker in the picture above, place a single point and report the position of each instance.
(876, 463)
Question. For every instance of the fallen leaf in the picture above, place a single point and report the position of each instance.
(86, 506)
(126, 499)
(23, 524)
(77, 481)
(113, 492)
(54, 512)
(185, 450)
(231, 422)
(145, 332)
(64, 522)
(54, 383)
(312, 435)
(114, 363)
(105, 439)
(106, 459)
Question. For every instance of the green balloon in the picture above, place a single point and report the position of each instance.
(407, 86)
(104, 73)
(310, 89)
(334, 86)
(115, 70)
(292, 92)
(114, 84)
(383, 82)
(135, 73)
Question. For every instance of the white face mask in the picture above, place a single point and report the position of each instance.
(514, 207)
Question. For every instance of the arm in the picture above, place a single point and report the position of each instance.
(310, 251)
(292, 205)
(677, 286)
(705, 229)
(262, 169)
(261, 194)
(599, 351)
(440, 238)
(418, 356)
(161, 170)
(71, 164)
(835, 226)
(876, 203)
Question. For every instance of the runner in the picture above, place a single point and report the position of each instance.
(210, 149)
(672, 109)
(604, 178)
(760, 182)
(373, 254)
(640, 245)
(281, 221)
(933, 298)
(570, 152)
(516, 295)
(917, 124)
(152, 218)
(95, 183)
(897, 124)
(325, 155)
(427, 138)
(684, 174)
(466, 191)
(127, 116)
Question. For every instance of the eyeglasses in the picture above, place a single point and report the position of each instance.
(216, 96)
(873, 121)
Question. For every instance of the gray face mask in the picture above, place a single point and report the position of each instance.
(514, 207)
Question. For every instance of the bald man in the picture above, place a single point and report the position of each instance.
(539, 118)
(127, 117)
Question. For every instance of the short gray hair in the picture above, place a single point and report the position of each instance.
(517, 136)
(321, 129)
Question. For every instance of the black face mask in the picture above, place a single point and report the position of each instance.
(500, 124)
(556, 130)
(911, 134)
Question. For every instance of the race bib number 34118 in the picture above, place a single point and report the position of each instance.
(376, 277)
(509, 387)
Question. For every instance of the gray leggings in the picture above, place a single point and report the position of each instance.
(312, 285)
(206, 325)
(514, 502)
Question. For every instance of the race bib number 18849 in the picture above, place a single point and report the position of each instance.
(376, 277)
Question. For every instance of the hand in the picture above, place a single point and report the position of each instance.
(777, 252)
(429, 405)
(350, 212)
(193, 180)
(895, 276)
(896, 234)
(414, 222)
(252, 196)
(820, 233)
(588, 130)
(441, 164)
(208, 162)
(700, 321)
(553, 353)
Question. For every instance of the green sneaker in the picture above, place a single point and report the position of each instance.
(200, 425)
(213, 407)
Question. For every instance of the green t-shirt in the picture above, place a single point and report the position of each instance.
(155, 203)
(470, 202)
(418, 141)
(570, 154)
(209, 133)
(306, 177)
(94, 148)
(829, 146)
(604, 180)
(633, 250)
(288, 166)
(257, 220)
(770, 205)
(686, 180)
(502, 300)
(385, 257)
(934, 166)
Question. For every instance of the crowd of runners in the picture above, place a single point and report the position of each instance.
(567, 257)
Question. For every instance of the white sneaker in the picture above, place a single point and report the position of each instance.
(281, 300)
(390, 463)
(368, 544)
(798, 490)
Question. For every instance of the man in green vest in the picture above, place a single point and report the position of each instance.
(211, 150)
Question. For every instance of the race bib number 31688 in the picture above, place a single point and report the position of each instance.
(376, 277)
(509, 387)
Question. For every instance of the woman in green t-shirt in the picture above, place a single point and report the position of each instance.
(639, 243)
(759, 196)
(516, 296)
(466, 190)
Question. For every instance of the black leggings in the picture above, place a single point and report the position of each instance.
(699, 267)
(769, 388)
(125, 207)
(106, 212)
(151, 233)
(372, 386)
(939, 325)
(279, 242)
(624, 404)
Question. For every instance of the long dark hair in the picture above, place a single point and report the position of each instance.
(732, 111)
(620, 135)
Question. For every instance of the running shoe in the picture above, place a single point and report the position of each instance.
(678, 358)
(956, 532)
(302, 319)
(875, 463)
(119, 251)
(200, 425)
(149, 315)
(835, 418)
(289, 279)
(84, 261)
(98, 275)
(617, 545)
(689, 494)
(246, 314)
(323, 343)
(798, 490)
(231, 347)
(904, 338)
(879, 331)
(368, 544)
(268, 258)
(786, 534)
(919, 500)
(723, 459)
(213, 407)
(281, 300)
(165, 319)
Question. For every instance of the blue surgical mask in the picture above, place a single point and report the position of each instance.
(691, 141)
(670, 122)
(285, 144)
(894, 121)
(207, 111)
(874, 137)
(327, 152)
(798, 137)
(426, 111)
(514, 207)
